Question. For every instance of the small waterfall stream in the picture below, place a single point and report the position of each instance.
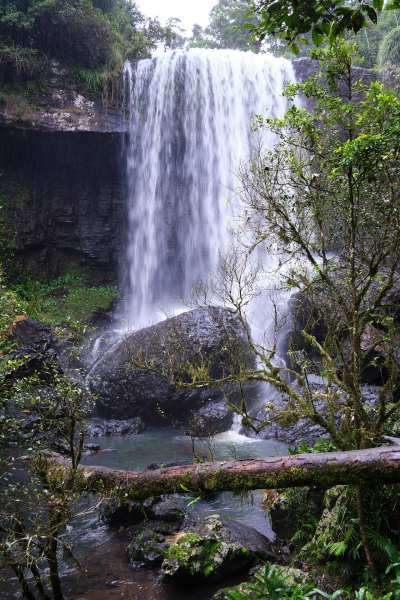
(190, 116)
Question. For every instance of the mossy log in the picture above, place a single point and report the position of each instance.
(326, 470)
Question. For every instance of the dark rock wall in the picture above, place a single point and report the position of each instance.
(63, 194)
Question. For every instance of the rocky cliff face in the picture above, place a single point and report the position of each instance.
(62, 181)
(62, 193)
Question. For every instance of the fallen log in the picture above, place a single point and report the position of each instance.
(375, 465)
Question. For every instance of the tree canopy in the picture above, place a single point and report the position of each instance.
(292, 20)
(228, 27)
(96, 34)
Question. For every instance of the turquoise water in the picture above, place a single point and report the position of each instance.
(171, 446)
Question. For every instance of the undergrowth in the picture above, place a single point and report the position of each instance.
(67, 303)
(64, 299)
(273, 582)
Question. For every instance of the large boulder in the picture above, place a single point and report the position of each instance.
(39, 349)
(215, 550)
(33, 334)
(134, 378)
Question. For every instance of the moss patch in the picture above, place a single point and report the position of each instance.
(197, 557)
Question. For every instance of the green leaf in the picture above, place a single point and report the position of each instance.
(338, 548)
(317, 37)
(378, 4)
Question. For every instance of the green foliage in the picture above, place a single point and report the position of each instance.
(370, 38)
(274, 582)
(337, 539)
(65, 300)
(11, 306)
(389, 51)
(90, 79)
(7, 241)
(36, 505)
(85, 35)
(228, 27)
(321, 445)
(24, 62)
(295, 22)
(333, 175)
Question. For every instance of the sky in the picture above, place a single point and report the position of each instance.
(189, 11)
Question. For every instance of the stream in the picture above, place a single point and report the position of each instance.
(102, 550)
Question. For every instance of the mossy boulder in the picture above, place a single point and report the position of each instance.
(196, 557)
(210, 343)
(215, 550)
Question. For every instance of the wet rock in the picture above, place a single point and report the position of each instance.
(60, 106)
(197, 558)
(303, 430)
(163, 514)
(117, 513)
(102, 428)
(168, 510)
(210, 339)
(39, 350)
(237, 532)
(147, 548)
(93, 448)
(33, 334)
(102, 318)
(215, 550)
(213, 418)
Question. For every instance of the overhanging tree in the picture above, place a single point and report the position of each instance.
(291, 20)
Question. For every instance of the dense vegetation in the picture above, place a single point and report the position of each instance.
(228, 28)
(92, 38)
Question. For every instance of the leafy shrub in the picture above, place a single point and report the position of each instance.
(10, 308)
(90, 79)
(21, 63)
(91, 35)
(87, 37)
(389, 51)
(337, 537)
(273, 582)
(321, 445)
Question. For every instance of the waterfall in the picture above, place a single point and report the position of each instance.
(190, 128)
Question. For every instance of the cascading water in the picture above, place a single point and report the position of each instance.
(190, 129)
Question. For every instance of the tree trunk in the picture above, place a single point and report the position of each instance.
(325, 469)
